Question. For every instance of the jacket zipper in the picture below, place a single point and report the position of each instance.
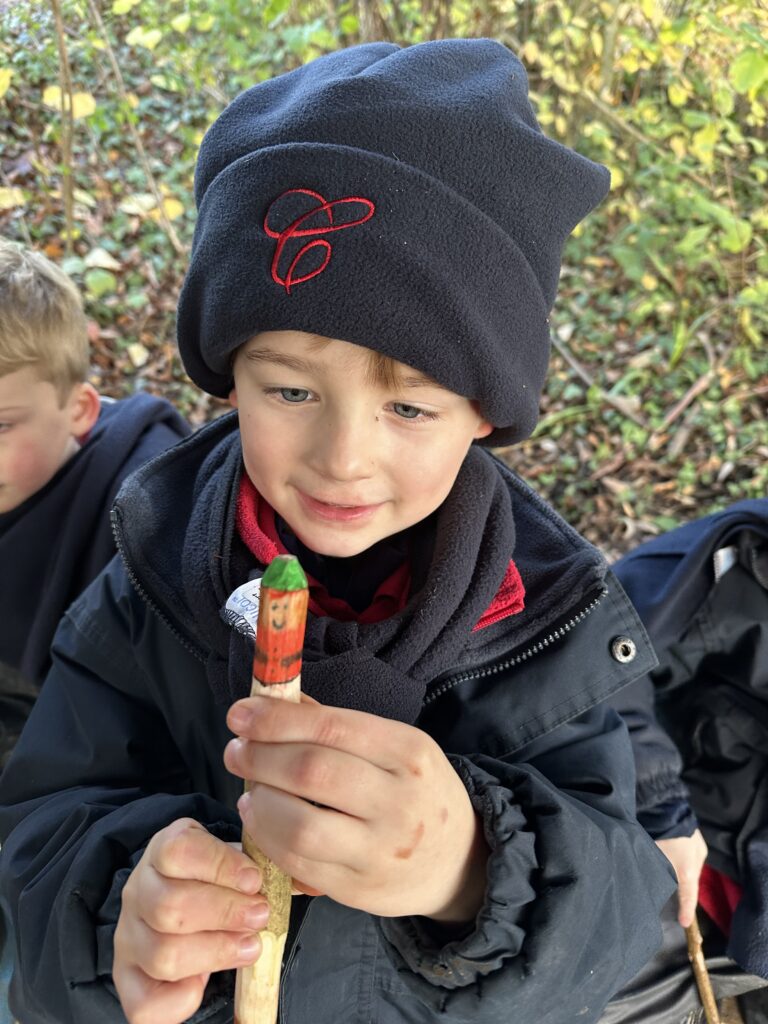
(535, 648)
(114, 521)
(287, 966)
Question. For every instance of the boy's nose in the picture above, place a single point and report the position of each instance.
(343, 449)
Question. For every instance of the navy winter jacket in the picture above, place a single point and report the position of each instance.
(128, 737)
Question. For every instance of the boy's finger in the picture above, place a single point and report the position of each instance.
(322, 775)
(687, 896)
(145, 1000)
(176, 957)
(381, 741)
(182, 907)
(187, 850)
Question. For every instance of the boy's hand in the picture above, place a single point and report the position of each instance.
(687, 855)
(190, 907)
(364, 809)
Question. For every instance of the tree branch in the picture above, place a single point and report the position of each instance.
(164, 220)
(67, 128)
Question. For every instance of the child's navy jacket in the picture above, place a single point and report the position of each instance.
(58, 540)
(127, 736)
(702, 591)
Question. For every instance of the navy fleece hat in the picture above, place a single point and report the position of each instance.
(401, 199)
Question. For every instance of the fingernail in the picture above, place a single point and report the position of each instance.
(256, 916)
(243, 804)
(249, 881)
(239, 717)
(249, 948)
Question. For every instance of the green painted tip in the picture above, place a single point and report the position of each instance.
(284, 572)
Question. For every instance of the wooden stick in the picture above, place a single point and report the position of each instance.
(276, 673)
(700, 972)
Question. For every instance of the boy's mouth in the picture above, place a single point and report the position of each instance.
(335, 511)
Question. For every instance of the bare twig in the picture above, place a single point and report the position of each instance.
(704, 985)
(620, 404)
(367, 20)
(164, 220)
(67, 128)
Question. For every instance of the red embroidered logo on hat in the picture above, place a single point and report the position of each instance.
(323, 208)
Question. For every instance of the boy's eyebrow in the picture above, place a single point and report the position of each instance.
(421, 382)
(269, 355)
(12, 408)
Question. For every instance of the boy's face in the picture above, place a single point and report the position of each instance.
(344, 459)
(37, 433)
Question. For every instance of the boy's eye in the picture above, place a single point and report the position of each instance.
(294, 395)
(408, 412)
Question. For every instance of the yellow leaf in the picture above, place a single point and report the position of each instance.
(703, 144)
(171, 207)
(6, 74)
(10, 197)
(617, 176)
(123, 6)
(140, 36)
(52, 97)
(83, 104)
(630, 63)
(653, 12)
(205, 23)
(181, 23)
(529, 52)
(138, 354)
(649, 282)
(138, 205)
(678, 146)
(678, 94)
(597, 42)
(133, 100)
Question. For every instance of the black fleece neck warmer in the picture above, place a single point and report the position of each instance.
(382, 668)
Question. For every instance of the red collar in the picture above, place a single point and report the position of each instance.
(257, 529)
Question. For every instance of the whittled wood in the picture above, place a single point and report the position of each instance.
(700, 972)
(276, 673)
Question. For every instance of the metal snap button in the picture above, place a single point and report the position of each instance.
(623, 649)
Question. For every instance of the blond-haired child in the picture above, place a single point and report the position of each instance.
(63, 454)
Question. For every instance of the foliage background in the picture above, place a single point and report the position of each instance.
(656, 407)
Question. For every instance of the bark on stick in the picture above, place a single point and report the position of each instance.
(276, 673)
(700, 972)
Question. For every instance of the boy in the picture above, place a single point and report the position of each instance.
(63, 455)
(375, 257)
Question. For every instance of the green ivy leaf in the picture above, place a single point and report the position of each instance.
(749, 71)
(693, 239)
(99, 283)
(737, 235)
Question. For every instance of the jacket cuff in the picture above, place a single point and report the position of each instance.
(453, 957)
(671, 820)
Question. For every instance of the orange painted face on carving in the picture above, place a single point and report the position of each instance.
(345, 459)
(278, 612)
(282, 614)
